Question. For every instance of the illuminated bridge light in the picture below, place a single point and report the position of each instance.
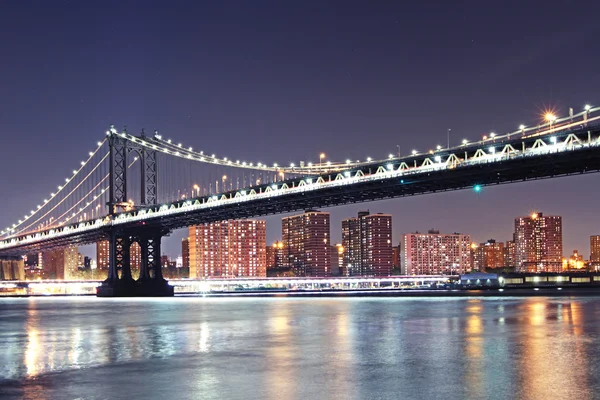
(477, 188)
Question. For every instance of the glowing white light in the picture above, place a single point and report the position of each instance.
(390, 167)
(348, 162)
(179, 145)
(213, 156)
(159, 137)
(492, 150)
(169, 141)
(553, 139)
(492, 135)
(275, 165)
(587, 107)
(60, 187)
(438, 158)
(91, 153)
(310, 164)
(368, 159)
(465, 141)
(438, 147)
(414, 152)
(66, 179)
(292, 165)
(521, 127)
(83, 163)
(274, 186)
(99, 144)
(347, 174)
(328, 163)
(391, 156)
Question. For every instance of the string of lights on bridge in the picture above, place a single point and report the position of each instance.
(551, 124)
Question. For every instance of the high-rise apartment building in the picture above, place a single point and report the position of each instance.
(538, 242)
(306, 243)
(228, 248)
(595, 249)
(510, 253)
(434, 253)
(367, 240)
(489, 255)
(185, 252)
(275, 255)
(60, 263)
(102, 255)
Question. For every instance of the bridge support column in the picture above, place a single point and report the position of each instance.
(120, 282)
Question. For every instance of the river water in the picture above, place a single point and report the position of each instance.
(287, 348)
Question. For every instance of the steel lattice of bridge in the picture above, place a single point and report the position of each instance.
(138, 188)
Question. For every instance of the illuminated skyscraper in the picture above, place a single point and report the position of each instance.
(60, 263)
(102, 255)
(509, 253)
(538, 243)
(489, 255)
(434, 253)
(228, 248)
(306, 243)
(367, 240)
(595, 249)
(185, 252)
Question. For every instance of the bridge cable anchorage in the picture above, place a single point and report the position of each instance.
(41, 208)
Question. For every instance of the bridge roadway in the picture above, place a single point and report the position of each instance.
(572, 151)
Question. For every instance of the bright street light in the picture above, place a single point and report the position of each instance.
(587, 107)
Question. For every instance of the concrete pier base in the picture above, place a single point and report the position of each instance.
(131, 288)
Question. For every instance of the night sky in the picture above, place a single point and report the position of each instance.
(283, 81)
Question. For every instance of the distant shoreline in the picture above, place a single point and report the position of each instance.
(505, 292)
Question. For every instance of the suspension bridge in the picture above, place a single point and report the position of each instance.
(138, 188)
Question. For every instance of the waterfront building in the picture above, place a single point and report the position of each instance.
(575, 261)
(306, 243)
(368, 243)
(434, 253)
(275, 255)
(60, 263)
(185, 252)
(102, 255)
(509, 253)
(595, 249)
(538, 243)
(489, 254)
(234, 248)
(337, 259)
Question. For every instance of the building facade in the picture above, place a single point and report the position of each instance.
(185, 252)
(234, 248)
(60, 263)
(434, 253)
(538, 243)
(367, 240)
(306, 243)
(595, 249)
(488, 255)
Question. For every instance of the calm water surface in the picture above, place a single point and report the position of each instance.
(278, 348)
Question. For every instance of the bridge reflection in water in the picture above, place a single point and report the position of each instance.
(529, 348)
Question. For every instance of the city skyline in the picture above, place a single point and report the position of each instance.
(353, 95)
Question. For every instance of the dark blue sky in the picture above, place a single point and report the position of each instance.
(283, 81)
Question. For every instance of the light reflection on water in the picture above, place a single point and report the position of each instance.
(531, 348)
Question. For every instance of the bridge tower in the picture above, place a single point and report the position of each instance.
(120, 281)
